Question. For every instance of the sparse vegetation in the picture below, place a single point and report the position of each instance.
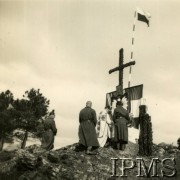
(7, 119)
(24, 114)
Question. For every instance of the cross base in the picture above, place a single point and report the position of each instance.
(119, 90)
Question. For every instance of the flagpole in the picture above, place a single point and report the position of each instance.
(132, 48)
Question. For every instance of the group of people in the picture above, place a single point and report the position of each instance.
(110, 128)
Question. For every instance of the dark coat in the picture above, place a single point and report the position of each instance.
(49, 133)
(121, 118)
(87, 132)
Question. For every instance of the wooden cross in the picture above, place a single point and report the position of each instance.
(120, 68)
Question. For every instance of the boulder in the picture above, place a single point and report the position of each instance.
(53, 157)
(33, 163)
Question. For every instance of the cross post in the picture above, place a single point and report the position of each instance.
(120, 68)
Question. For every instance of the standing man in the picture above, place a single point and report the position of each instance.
(87, 132)
(121, 119)
(49, 132)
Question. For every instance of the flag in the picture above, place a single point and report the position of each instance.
(134, 95)
(109, 98)
(143, 16)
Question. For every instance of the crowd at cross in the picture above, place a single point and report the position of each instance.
(109, 129)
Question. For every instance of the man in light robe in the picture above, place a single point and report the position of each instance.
(104, 127)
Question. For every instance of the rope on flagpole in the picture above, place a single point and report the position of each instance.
(132, 48)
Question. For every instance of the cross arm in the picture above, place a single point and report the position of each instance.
(122, 67)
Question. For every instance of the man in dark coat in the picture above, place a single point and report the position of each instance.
(120, 118)
(49, 132)
(87, 132)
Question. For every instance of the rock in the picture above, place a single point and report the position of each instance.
(33, 163)
(34, 149)
(161, 152)
(162, 144)
(5, 156)
(27, 162)
(53, 157)
(165, 146)
(173, 151)
(11, 146)
(64, 156)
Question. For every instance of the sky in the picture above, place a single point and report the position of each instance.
(66, 48)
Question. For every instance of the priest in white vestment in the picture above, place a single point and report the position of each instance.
(104, 127)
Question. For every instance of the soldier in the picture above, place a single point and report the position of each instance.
(121, 119)
(87, 132)
(49, 132)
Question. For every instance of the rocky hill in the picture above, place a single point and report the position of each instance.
(67, 163)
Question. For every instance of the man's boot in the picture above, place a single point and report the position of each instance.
(122, 147)
(118, 146)
(89, 151)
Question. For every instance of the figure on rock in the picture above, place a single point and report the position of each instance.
(121, 119)
(87, 132)
(50, 131)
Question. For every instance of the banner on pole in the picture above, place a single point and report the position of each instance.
(133, 95)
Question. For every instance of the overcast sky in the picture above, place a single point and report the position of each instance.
(66, 49)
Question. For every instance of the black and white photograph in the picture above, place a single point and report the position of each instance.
(89, 89)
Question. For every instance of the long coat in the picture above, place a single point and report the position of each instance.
(49, 133)
(87, 132)
(121, 118)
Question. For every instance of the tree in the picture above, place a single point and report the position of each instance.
(29, 111)
(7, 120)
(146, 134)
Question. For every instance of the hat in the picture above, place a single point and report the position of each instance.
(52, 113)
